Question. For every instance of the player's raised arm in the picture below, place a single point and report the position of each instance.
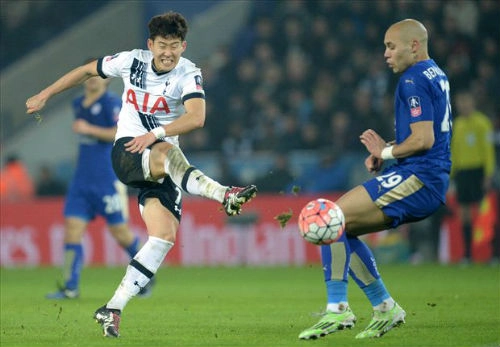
(69, 80)
(193, 118)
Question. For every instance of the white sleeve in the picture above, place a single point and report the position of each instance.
(192, 84)
(112, 65)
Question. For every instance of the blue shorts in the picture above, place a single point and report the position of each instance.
(106, 199)
(402, 196)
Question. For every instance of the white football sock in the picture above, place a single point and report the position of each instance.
(199, 184)
(339, 307)
(191, 179)
(150, 256)
(385, 305)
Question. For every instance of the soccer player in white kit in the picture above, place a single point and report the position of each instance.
(163, 98)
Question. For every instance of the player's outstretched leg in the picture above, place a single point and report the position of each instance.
(192, 180)
(235, 197)
(382, 322)
(109, 320)
(329, 323)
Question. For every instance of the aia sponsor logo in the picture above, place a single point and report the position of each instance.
(150, 104)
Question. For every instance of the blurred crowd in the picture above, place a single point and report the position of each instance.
(311, 74)
(18, 185)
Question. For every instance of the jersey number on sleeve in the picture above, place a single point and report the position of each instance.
(446, 123)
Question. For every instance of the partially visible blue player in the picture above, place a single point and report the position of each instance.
(410, 190)
(94, 190)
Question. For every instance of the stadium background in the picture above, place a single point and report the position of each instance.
(290, 85)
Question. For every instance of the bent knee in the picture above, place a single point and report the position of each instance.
(166, 234)
(157, 158)
(160, 149)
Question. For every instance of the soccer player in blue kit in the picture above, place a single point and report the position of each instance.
(163, 97)
(94, 189)
(409, 190)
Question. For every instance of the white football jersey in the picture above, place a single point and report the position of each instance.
(150, 98)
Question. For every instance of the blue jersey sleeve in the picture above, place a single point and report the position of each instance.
(416, 100)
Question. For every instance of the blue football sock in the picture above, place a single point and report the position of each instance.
(326, 261)
(133, 248)
(363, 270)
(336, 291)
(73, 263)
(364, 257)
(335, 259)
(376, 292)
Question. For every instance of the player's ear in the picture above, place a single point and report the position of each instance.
(150, 44)
(415, 46)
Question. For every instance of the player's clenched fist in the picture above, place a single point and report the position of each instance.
(373, 142)
(34, 104)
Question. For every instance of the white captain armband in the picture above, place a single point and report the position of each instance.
(159, 132)
(387, 153)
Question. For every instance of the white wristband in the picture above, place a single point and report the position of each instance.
(159, 132)
(387, 153)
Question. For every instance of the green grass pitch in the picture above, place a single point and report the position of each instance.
(245, 306)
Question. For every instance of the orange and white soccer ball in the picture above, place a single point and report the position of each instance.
(321, 222)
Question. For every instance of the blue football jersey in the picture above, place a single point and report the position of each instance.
(423, 94)
(94, 156)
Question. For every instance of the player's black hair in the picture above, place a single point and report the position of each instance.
(170, 24)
